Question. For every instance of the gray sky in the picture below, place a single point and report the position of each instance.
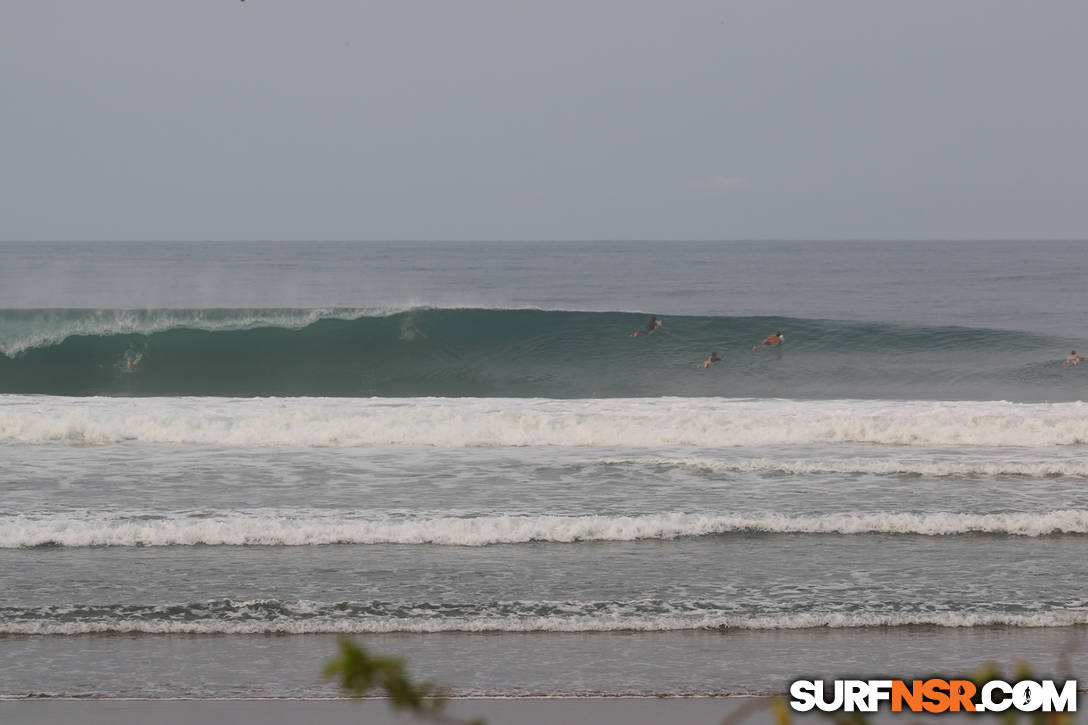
(554, 119)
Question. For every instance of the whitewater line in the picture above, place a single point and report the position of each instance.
(496, 422)
(573, 623)
(287, 529)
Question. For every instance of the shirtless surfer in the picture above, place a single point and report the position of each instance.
(131, 362)
(710, 360)
(771, 340)
(651, 327)
(1073, 358)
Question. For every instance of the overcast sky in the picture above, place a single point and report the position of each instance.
(552, 119)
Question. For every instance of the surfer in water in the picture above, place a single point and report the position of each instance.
(131, 361)
(1073, 358)
(409, 331)
(710, 360)
(771, 340)
(651, 327)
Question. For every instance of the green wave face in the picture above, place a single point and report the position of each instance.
(519, 353)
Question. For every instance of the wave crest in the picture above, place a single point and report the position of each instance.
(310, 528)
(25, 330)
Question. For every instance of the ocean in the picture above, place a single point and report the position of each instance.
(217, 458)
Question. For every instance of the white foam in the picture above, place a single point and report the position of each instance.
(50, 327)
(45, 327)
(616, 423)
(309, 528)
(552, 623)
(886, 466)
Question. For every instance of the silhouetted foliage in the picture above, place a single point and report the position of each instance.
(359, 672)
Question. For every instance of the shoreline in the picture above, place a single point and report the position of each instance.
(696, 710)
(526, 667)
(681, 710)
(380, 698)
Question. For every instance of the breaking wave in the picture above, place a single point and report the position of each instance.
(306, 617)
(314, 528)
(888, 465)
(509, 353)
(467, 422)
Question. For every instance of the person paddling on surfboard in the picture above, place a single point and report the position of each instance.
(710, 360)
(651, 327)
(771, 340)
(1073, 358)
